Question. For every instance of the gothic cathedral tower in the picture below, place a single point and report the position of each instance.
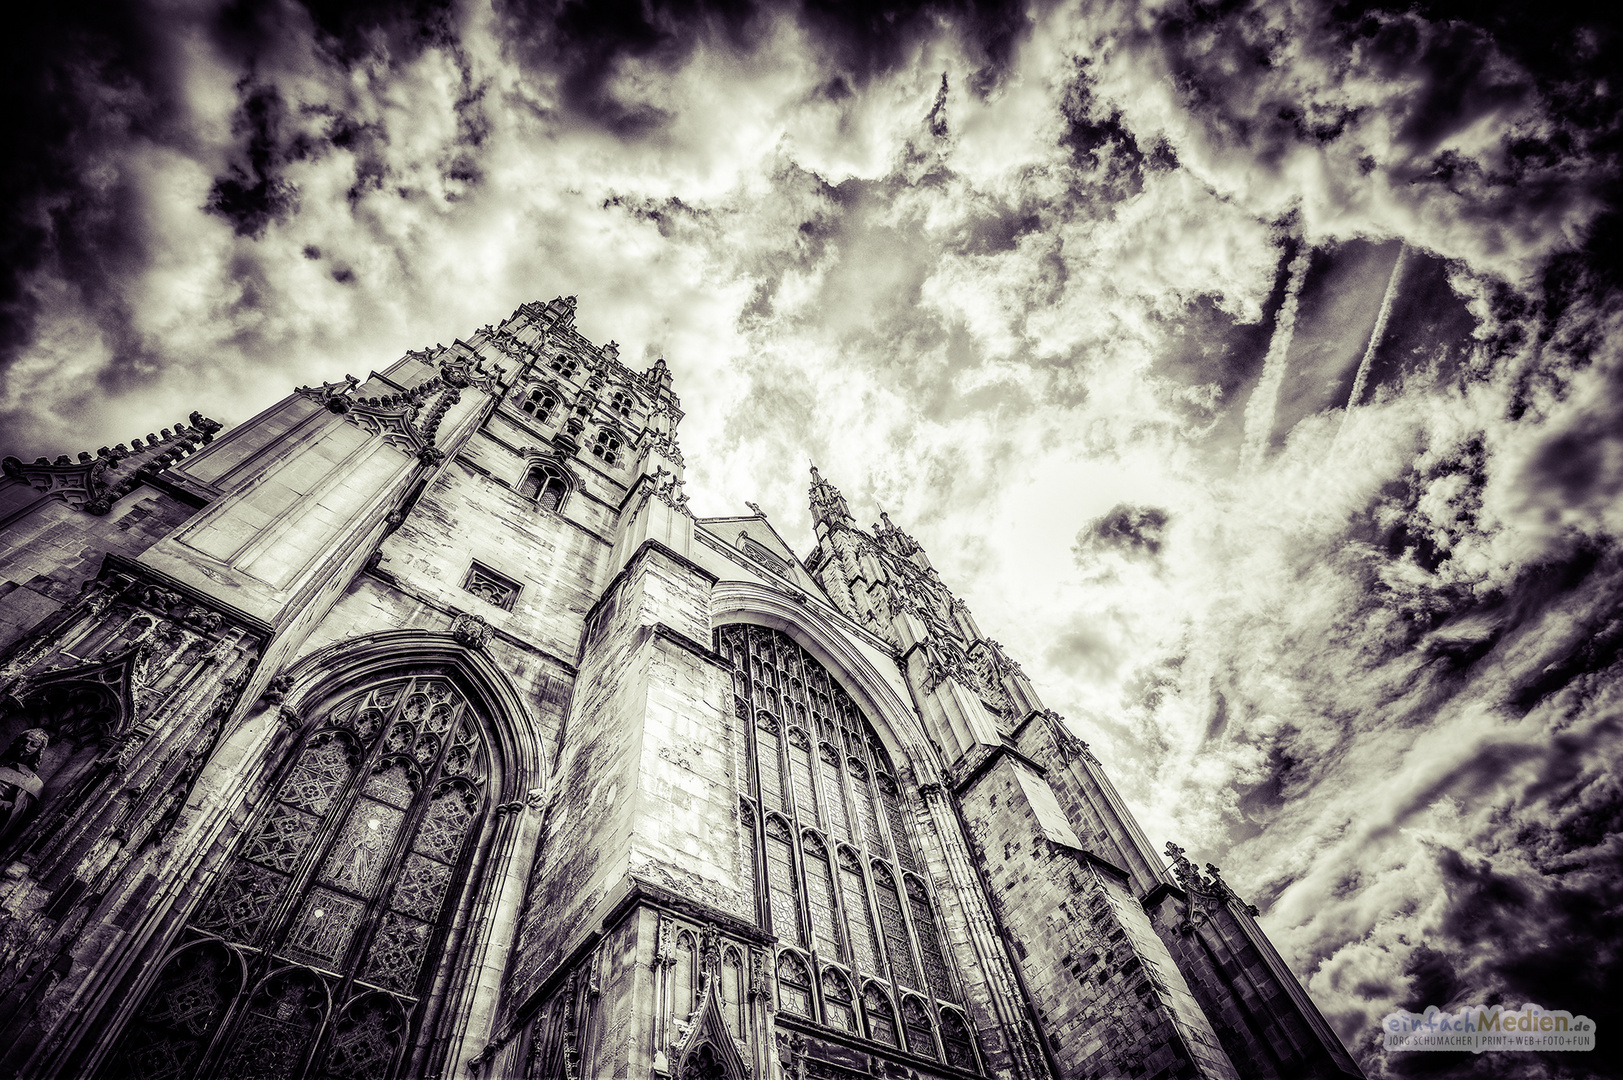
(416, 728)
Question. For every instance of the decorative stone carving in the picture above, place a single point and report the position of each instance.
(276, 690)
(471, 630)
(20, 785)
(1209, 886)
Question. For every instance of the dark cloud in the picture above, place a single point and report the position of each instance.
(253, 194)
(586, 44)
(1515, 938)
(1125, 528)
(1101, 145)
(81, 81)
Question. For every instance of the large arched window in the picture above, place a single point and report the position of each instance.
(316, 948)
(838, 858)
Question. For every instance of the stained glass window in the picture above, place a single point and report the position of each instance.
(862, 788)
(339, 886)
(770, 762)
(172, 1028)
(955, 1039)
(833, 797)
(813, 751)
(894, 926)
(864, 939)
(935, 965)
(881, 1018)
(794, 985)
(800, 771)
(780, 881)
(838, 1009)
(920, 1034)
(820, 901)
(895, 814)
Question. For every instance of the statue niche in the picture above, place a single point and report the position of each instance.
(52, 741)
(20, 782)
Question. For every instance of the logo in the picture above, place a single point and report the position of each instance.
(1483, 1029)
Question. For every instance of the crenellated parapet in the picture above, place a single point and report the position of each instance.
(94, 482)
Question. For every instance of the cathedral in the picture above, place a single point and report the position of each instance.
(416, 728)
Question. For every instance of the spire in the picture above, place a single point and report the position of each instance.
(827, 504)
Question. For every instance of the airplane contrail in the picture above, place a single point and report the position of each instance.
(1259, 410)
(1375, 335)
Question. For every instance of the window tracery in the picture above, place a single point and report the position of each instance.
(332, 902)
(547, 483)
(540, 402)
(606, 446)
(491, 587)
(881, 1017)
(839, 1011)
(794, 985)
(920, 1032)
(956, 1040)
(839, 875)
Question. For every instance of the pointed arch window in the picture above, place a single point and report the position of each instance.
(839, 1010)
(880, 1016)
(935, 965)
(820, 902)
(895, 815)
(621, 402)
(335, 904)
(769, 761)
(781, 881)
(894, 926)
(956, 1040)
(833, 791)
(865, 947)
(920, 1032)
(837, 854)
(547, 483)
(565, 365)
(794, 985)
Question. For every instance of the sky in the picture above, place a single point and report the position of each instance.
(1252, 370)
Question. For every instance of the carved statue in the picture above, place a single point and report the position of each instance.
(20, 785)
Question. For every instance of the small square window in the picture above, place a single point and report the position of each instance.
(491, 587)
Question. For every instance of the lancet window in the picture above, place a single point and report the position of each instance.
(565, 365)
(311, 956)
(842, 891)
(620, 402)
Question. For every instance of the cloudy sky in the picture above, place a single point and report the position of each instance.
(1252, 369)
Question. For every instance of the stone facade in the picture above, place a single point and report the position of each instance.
(416, 728)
